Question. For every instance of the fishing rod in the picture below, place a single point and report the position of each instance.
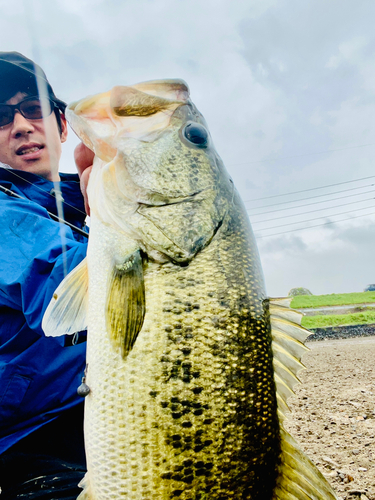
(11, 193)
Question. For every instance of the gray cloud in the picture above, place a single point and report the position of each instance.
(277, 80)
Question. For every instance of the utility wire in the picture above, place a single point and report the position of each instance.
(310, 198)
(315, 218)
(313, 203)
(311, 189)
(316, 225)
(311, 211)
(301, 155)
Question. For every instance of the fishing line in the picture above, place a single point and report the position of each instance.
(311, 189)
(311, 211)
(11, 193)
(44, 96)
(314, 202)
(311, 227)
(44, 190)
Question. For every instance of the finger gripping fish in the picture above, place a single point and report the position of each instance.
(189, 364)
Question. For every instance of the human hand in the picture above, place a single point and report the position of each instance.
(84, 157)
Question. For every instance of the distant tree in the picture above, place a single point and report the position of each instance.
(299, 291)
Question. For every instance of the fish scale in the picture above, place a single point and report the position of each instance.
(201, 367)
(189, 364)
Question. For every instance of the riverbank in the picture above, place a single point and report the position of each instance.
(341, 332)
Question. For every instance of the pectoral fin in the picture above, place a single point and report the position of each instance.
(67, 311)
(126, 308)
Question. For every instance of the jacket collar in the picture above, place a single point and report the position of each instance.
(42, 191)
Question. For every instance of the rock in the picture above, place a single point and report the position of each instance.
(330, 463)
(356, 452)
(348, 478)
(362, 469)
(299, 291)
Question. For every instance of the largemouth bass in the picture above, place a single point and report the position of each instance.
(189, 365)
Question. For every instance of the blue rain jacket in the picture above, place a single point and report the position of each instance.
(39, 375)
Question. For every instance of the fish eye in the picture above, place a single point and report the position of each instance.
(196, 134)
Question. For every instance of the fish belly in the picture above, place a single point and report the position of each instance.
(190, 413)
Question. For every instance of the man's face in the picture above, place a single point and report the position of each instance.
(23, 143)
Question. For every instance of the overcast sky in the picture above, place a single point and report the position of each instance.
(287, 88)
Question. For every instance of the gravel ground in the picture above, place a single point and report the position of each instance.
(333, 413)
(342, 332)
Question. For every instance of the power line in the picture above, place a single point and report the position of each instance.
(310, 197)
(301, 155)
(313, 203)
(315, 218)
(311, 211)
(311, 189)
(316, 225)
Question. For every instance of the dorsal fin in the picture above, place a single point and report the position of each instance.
(298, 478)
(288, 347)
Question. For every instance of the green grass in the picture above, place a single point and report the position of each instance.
(335, 299)
(323, 321)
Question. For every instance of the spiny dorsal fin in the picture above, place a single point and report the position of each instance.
(67, 311)
(125, 309)
(288, 347)
(298, 478)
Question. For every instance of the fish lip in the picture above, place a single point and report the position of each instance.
(29, 145)
(173, 201)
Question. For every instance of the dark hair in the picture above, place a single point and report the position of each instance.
(58, 119)
(19, 74)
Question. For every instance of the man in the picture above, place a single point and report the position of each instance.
(41, 438)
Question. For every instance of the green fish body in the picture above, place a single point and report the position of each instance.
(189, 364)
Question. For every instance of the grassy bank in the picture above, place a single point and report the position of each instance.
(334, 299)
(361, 318)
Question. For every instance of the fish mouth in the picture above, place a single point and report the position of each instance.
(160, 200)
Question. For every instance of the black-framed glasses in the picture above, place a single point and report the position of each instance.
(30, 108)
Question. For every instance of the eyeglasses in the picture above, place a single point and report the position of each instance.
(30, 108)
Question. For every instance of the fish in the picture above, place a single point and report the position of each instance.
(189, 363)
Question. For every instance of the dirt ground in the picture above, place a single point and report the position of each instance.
(333, 414)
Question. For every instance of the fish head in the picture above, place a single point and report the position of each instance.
(160, 175)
